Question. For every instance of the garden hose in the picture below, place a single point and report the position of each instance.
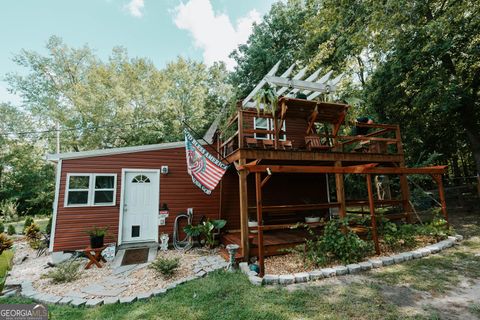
(187, 242)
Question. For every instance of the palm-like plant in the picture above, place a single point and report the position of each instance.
(266, 97)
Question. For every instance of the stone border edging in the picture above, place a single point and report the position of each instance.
(201, 269)
(354, 268)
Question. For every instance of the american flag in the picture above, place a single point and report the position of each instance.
(206, 170)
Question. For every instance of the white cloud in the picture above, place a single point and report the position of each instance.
(214, 32)
(6, 96)
(135, 7)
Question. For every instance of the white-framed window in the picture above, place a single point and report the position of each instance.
(90, 189)
(267, 124)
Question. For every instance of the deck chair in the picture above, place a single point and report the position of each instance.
(251, 142)
(313, 142)
(286, 145)
(268, 144)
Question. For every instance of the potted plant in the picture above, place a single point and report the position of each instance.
(97, 236)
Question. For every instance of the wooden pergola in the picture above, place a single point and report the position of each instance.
(264, 172)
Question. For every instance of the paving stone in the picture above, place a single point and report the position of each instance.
(123, 269)
(255, 280)
(197, 270)
(75, 294)
(407, 256)
(110, 300)
(449, 243)
(285, 279)
(93, 289)
(159, 292)
(65, 300)
(78, 302)
(27, 285)
(10, 293)
(94, 302)
(270, 279)
(13, 282)
(340, 270)
(29, 293)
(316, 274)
(301, 277)
(244, 267)
(208, 269)
(128, 299)
(434, 248)
(376, 263)
(328, 272)
(425, 251)
(354, 268)
(365, 265)
(387, 261)
(201, 274)
(417, 254)
(458, 237)
(252, 273)
(144, 296)
(115, 281)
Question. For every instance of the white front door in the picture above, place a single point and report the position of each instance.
(140, 206)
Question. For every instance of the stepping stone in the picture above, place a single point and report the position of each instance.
(257, 281)
(29, 293)
(78, 302)
(128, 299)
(425, 251)
(270, 279)
(354, 268)
(123, 269)
(285, 279)
(366, 265)
(328, 272)
(252, 273)
(398, 258)
(171, 286)
(75, 294)
(94, 302)
(340, 270)
(110, 292)
(434, 248)
(244, 267)
(376, 263)
(458, 237)
(197, 270)
(200, 274)
(65, 300)
(387, 261)
(110, 300)
(316, 274)
(301, 277)
(93, 289)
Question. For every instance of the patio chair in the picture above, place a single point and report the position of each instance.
(251, 142)
(268, 144)
(313, 142)
(286, 145)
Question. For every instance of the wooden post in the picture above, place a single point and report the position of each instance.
(242, 179)
(258, 189)
(441, 194)
(275, 131)
(240, 129)
(406, 197)
(340, 191)
(372, 213)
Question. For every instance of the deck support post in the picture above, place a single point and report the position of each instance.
(242, 179)
(258, 191)
(372, 213)
(340, 191)
(441, 194)
(406, 197)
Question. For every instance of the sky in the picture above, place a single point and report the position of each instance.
(161, 30)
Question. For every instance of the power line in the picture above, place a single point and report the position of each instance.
(76, 129)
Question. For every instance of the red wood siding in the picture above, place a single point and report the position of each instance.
(176, 189)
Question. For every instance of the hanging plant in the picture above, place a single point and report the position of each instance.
(268, 98)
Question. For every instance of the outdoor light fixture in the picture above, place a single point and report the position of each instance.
(269, 172)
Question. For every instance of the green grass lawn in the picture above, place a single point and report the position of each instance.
(5, 263)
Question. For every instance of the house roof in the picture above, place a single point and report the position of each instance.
(112, 151)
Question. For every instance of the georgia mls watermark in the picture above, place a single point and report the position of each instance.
(23, 312)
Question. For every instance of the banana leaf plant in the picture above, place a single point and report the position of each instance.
(206, 229)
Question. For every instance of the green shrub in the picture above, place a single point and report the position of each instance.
(65, 272)
(8, 209)
(338, 242)
(11, 230)
(165, 266)
(205, 229)
(5, 242)
(2, 227)
(437, 228)
(28, 222)
(48, 227)
(33, 236)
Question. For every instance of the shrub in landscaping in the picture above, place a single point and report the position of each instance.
(5, 242)
(65, 272)
(338, 242)
(28, 222)
(11, 230)
(165, 266)
(33, 236)
(8, 209)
